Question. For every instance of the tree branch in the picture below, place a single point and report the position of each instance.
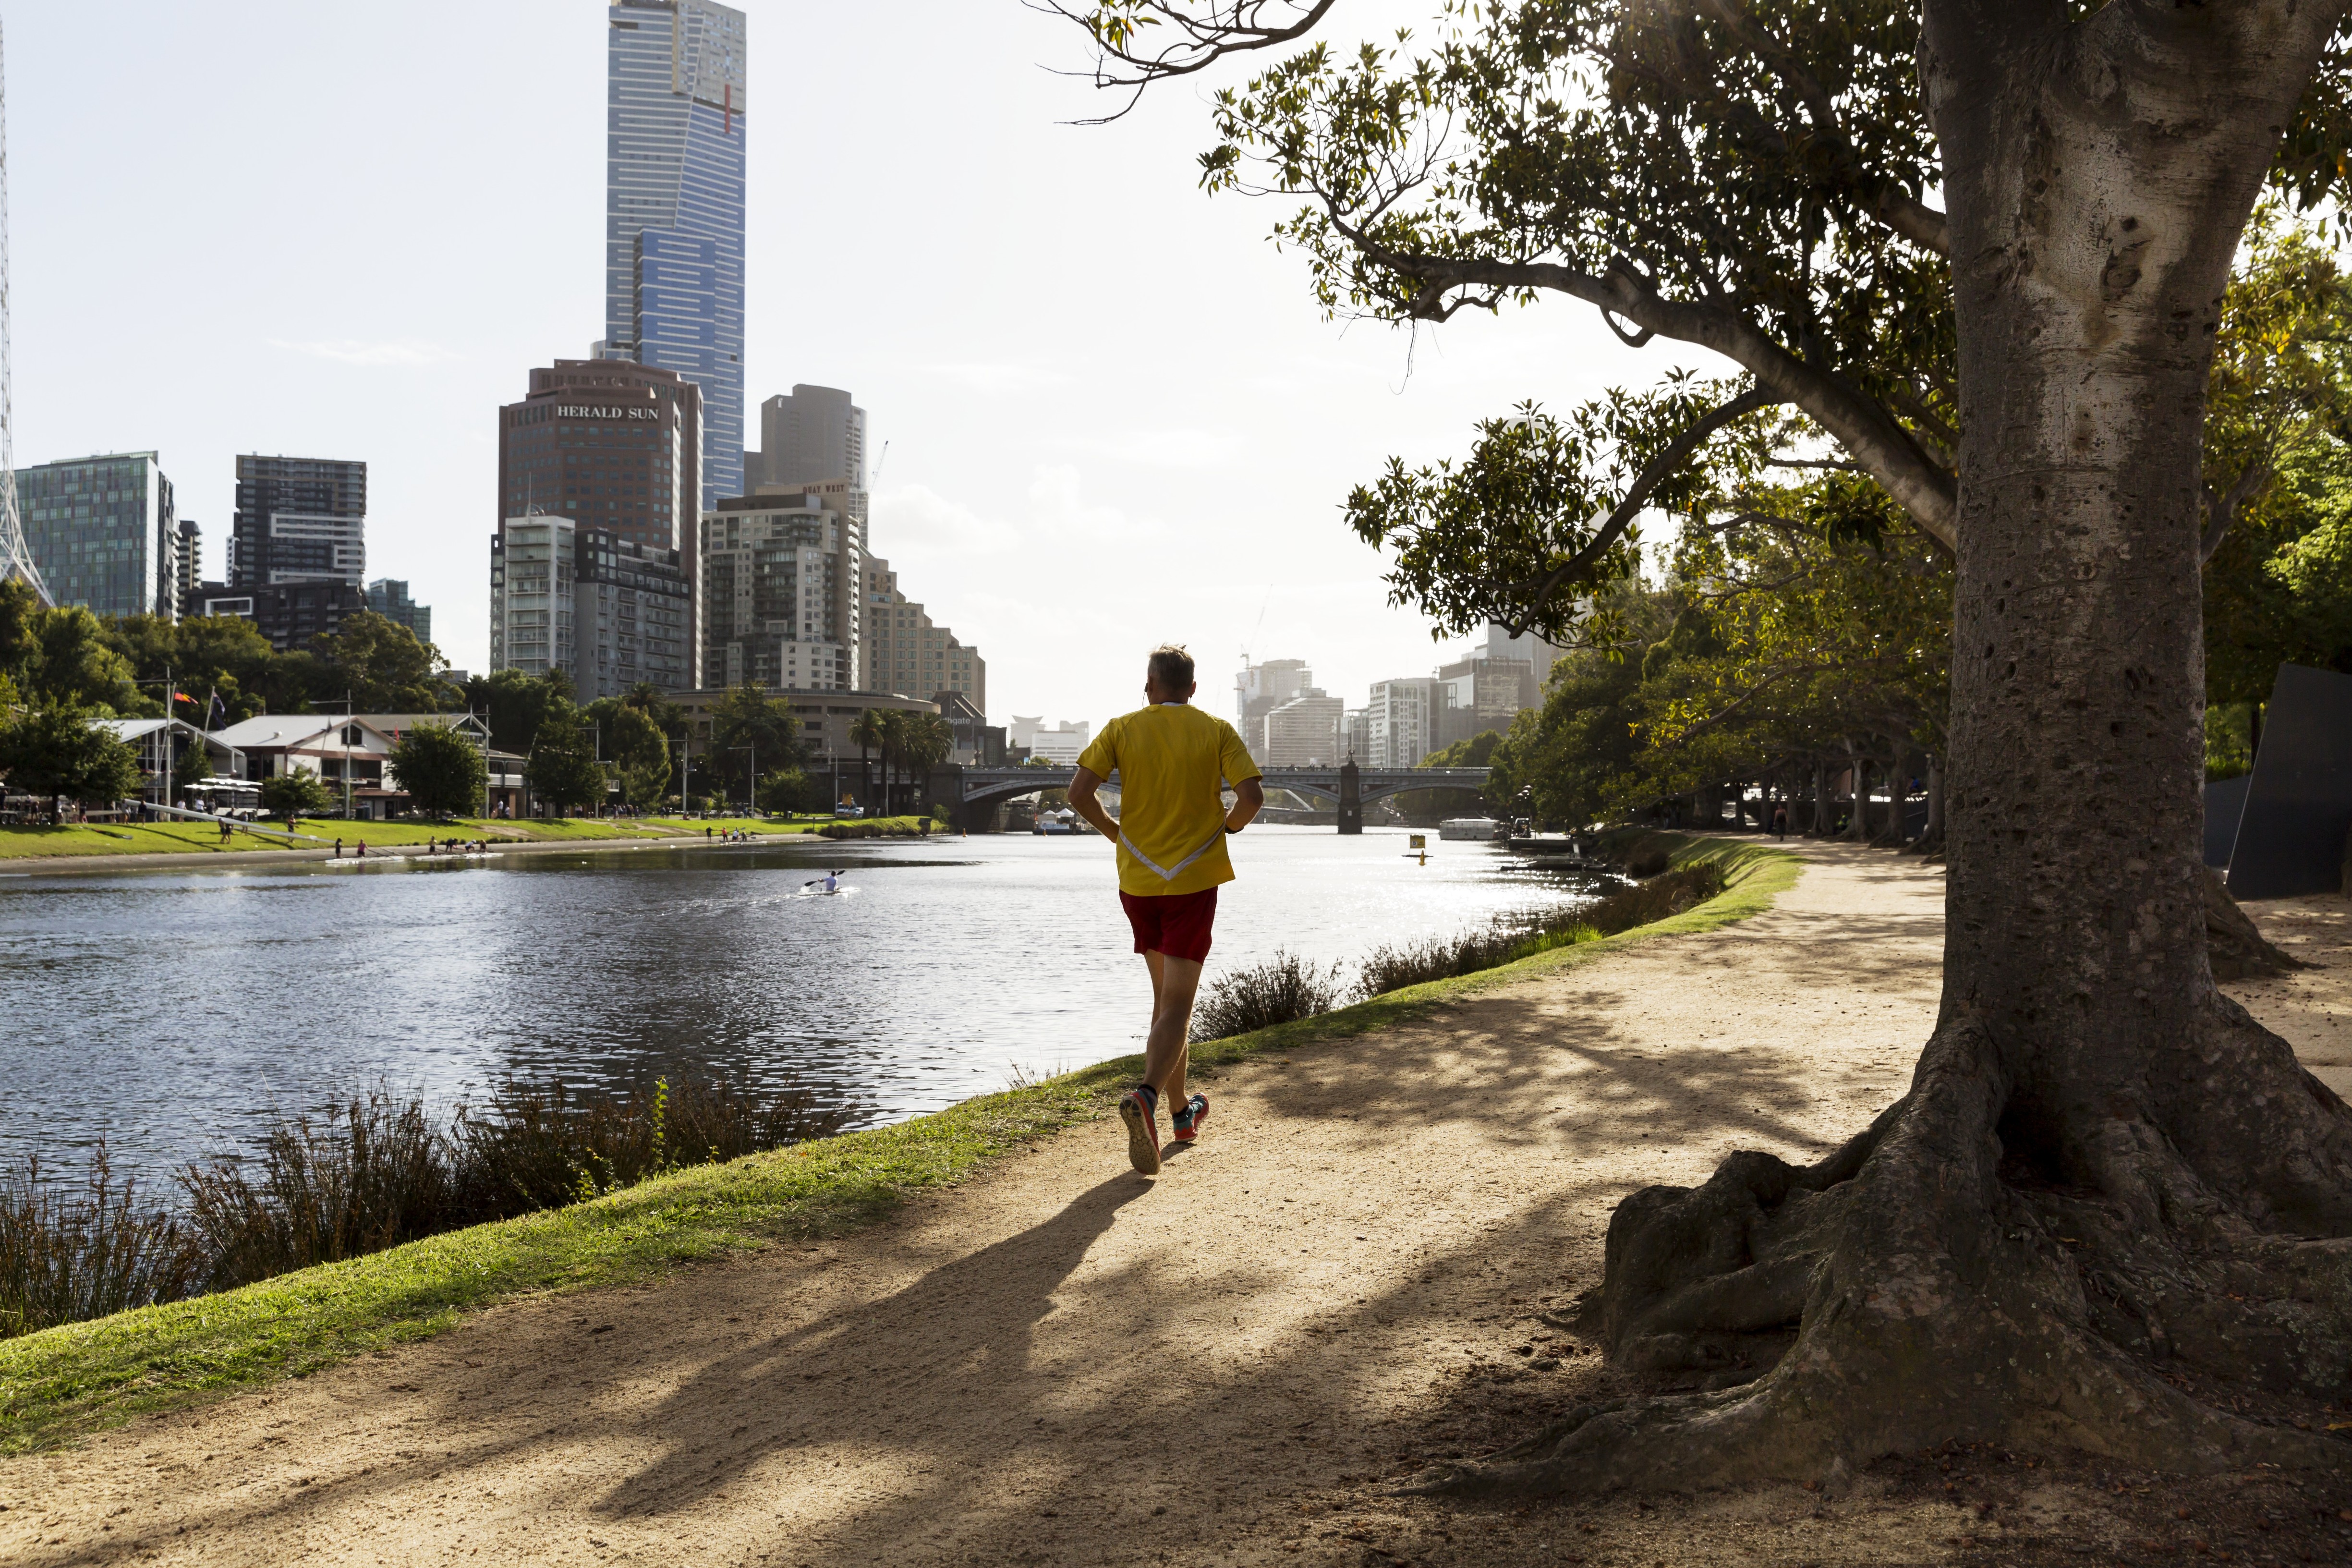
(1923, 488)
(1656, 472)
(1195, 44)
(2222, 510)
(1885, 200)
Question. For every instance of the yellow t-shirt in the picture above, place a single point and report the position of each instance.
(1171, 824)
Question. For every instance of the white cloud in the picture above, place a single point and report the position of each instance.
(361, 352)
(916, 520)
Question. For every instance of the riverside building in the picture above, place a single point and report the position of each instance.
(674, 73)
(778, 574)
(606, 610)
(906, 652)
(1304, 732)
(103, 531)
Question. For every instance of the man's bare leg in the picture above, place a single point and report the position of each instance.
(1167, 1051)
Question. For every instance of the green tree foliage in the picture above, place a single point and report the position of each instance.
(788, 790)
(442, 770)
(73, 661)
(383, 666)
(562, 769)
(192, 764)
(2278, 467)
(636, 747)
(54, 751)
(749, 727)
(290, 796)
(514, 703)
(219, 655)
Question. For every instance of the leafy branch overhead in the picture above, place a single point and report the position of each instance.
(1543, 511)
(1752, 180)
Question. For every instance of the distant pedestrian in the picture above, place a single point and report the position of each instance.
(1781, 822)
(1171, 759)
(338, 848)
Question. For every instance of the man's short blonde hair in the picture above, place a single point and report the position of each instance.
(1172, 666)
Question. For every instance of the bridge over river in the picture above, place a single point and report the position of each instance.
(973, 793)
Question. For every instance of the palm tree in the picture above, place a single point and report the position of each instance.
(895, 735)
(869, 732)
(930, 741)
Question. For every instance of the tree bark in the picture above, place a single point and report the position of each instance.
(2111, 1205)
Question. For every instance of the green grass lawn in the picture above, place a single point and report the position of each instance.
(757, 825)
(65, 1380)
(126, 838)
(203, 838)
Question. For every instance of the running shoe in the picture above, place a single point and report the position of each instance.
(1188, 1120)
(1142, 1134)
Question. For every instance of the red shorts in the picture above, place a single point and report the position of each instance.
(1176, 924)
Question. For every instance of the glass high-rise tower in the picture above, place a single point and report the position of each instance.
(674, 210)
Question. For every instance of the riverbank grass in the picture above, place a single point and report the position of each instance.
(63, 1382)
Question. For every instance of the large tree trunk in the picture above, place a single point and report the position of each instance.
(2113, 1213)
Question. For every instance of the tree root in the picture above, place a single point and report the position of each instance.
(2237, 948)
(1922, 1286)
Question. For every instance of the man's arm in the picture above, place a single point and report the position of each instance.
(1083, 801)
(1249, 799)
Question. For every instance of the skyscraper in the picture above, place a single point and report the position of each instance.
(779, 594)
(388, 598)
(674, 210)
(298, 519)
(103, 533)
(809, 433)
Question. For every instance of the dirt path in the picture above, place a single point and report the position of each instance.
(1064, 1363)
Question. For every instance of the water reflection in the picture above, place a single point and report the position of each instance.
(169, 1012)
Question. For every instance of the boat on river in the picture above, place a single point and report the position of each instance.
(1477, 829)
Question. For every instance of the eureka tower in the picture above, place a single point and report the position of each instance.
(674, 210)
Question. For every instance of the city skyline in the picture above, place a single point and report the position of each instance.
(1039, 409)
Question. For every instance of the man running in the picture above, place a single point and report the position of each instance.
(1171, 833)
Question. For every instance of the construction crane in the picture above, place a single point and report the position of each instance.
(16, 555)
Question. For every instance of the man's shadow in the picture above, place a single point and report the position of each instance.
(958, 1341)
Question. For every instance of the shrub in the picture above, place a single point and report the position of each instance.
(1395, 966)
(442, 771)
(370, 1174)
(290, 795)
(1665, 894)
(537, 1146)
(378, 1170)
(65, 1258)
(1282, 990)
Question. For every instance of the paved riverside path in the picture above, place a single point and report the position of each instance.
(1060, 1361)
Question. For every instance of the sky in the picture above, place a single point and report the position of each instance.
(1113, 414)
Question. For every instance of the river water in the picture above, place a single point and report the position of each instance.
(171, 1013)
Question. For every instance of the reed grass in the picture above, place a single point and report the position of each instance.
(68, 1254)
(1283, 990)
(372, 1171)
(1393, 966)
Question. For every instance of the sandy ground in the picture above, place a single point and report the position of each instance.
(1062, 1362)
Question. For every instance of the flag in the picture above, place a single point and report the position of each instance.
(216, 712)
(182, 697)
